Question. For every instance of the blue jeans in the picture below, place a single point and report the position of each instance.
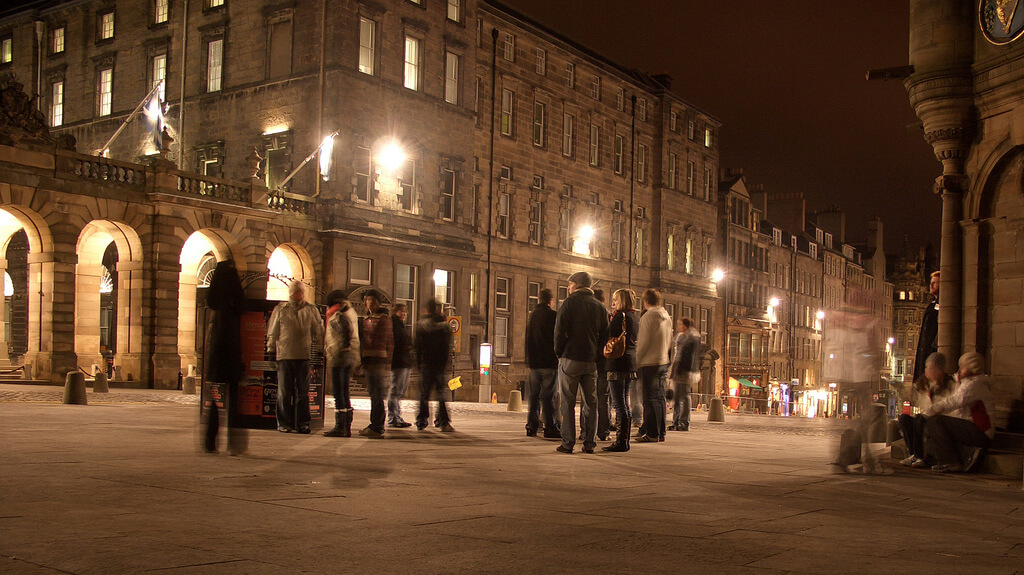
(542, 400)
(340, 377)
(618, 384)
(681, 403)
(399, 384)
(293, 393)
(913, 433)
(377, 384)
(635, 400)
(431, 380)
(572, 376)
(655, 409)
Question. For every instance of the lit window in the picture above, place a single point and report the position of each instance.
(502, 229)
(541, 64)
(160, 11)
(214, 64)
(507, 111)
(568, 134)
(453, 10)
(106, 86)
(444, 286)
(405, 288)
(539, 123)
(412, 63)
(595, 144)
(57, 104)
(6, 50)
(619, 145)
(160, 73)
(570, 74)
(367, 32)
(708, 138)
(57, 40)
(216, 3)
(106, 26)
(451, 78)
(509, 51)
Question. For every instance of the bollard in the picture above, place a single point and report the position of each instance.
(515, 400)
(99, 383)
(26, 371)
(494, 397)
(193, 371)
(716, 411)
(188, 385)
(117, 373)
(74, 388)
(892, 432)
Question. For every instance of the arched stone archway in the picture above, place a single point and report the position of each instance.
(199, 254)
(287, 262)
(101, 245)
(38, 296)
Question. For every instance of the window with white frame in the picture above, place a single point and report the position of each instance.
(367, 46)
(641, 109)
(508, 102)
(444, 286)
(214, 64)
(501, 337)
(638, 246)
(618, 152)
(502, 287)
(158, 75)
(215, 3)
(620, 99)
(705, 326)
(454, 10)
(670, 254)
(451, 78)
(568, 134)
(564, 227)
(641, 163)
(595, 87)
(57, 40)
(540, 64)
(690, 129)
(689, 255)
(502, 227)
(6, 50)
(106, 87)
(106, 31)
(360, 271)
(672, 119)
(509, 47)
(691, 167)
(570, 75)
(536, 222)
(539, 124)
(412, 63)
(673, 167)
(532, 295)
(595, 144)
(448, 186)
(57, 104)
(708, 138)
(538, 182)
(505, 173)
(362, 166)
(616, 240)
(160, 11)
(405, 289)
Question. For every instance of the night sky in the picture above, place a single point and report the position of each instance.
(787, 79)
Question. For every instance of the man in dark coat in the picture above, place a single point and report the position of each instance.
(928, 339)
(543, 365)
(433, 343)
(401, 361)
(581, 330)
(224, 367)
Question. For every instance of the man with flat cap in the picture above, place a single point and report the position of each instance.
(581, 330)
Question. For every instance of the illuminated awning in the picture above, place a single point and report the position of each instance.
(748, 383)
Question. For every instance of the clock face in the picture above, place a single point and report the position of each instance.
(1002, 21)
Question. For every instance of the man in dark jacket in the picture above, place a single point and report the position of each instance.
(685, 372)
(581, 330)
(543, 364)
(432, 344)
(928, 339)
(401, 361)
(376, 347)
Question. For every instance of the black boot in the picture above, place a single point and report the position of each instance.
(338, 431)
(346, 423)
(621, 443)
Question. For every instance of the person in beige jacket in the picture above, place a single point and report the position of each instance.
(295, 327)
(652, 346)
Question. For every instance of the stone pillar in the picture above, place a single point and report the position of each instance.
(161, 307)
(951, 265)
(51, 337)
(129, 354)
(971, 275)
(5, 360)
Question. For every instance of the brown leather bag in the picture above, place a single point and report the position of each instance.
(616, 346)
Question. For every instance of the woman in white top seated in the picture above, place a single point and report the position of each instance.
(935, 386)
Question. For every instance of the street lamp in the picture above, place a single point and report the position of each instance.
(717, 276)
(582, 244)
(391, 156)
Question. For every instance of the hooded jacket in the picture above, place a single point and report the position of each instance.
(432, 343)
(686, 353)
(655, 338)
(581, 327)
(342, 321)
(540, 338)
(294, 329)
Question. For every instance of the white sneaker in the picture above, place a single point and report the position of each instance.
(909, 461)
(919, 464)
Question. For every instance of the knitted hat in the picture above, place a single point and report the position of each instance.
(582, 279)
(336, 297)
(973, 362)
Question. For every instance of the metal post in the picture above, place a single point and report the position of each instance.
(632, 209)
(181, 96)
(490, 187)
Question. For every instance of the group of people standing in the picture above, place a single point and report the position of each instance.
(379, 345)
(583, 348)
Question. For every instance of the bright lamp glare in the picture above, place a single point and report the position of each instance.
(717, 276)
(153, 111)
(820, 314)
(326, 151)
(587, 233)
(774, 302)
(391, 157)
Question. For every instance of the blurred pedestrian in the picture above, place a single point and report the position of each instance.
(401, 361)
(295, 327)
(622, 369)
(960, 427)
(581, 330)
(433, 344)
(224, 365)
(652, 346)
(341, 354)
(935, 386)
(543, 364)
(685, 372)
(376, 345)
(928, 338)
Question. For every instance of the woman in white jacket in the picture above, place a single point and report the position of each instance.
(964, 419)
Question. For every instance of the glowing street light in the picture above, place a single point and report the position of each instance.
(326, 156)
(820, 315)
(774, 302)
(717, 276)
(582, 243)
(391, 156)
(587, 233)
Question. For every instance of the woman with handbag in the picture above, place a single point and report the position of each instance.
(620, 352)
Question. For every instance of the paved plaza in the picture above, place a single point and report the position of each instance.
(119, 486)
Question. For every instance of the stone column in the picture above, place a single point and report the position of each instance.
(950, 188)
(971, 274)
(129, 354)
(51, 337)
(5, 360)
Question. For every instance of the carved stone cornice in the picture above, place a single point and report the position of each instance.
(957, 134)
(952, 183)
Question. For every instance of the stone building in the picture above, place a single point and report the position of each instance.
(595, 166)
(965, 84)
(910, 274)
